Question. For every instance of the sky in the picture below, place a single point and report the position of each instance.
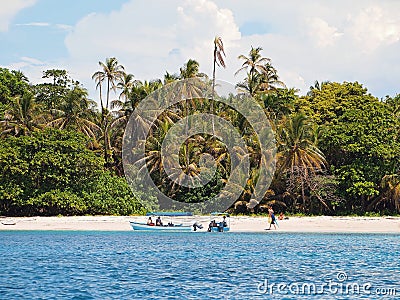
(306, 40)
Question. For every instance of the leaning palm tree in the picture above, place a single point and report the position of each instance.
(23, 117)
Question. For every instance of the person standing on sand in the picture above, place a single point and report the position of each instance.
(272, 216)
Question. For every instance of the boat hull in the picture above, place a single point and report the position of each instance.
(218, 229)
(145, 227)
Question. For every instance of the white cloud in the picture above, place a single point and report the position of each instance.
(374, 27)
(64, 27)
(8, 9)
(314, 41)
(37, 24)
(149, 42)
(322, 32)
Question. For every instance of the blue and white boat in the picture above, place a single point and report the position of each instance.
(170, 226)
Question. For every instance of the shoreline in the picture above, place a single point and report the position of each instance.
(319, 224)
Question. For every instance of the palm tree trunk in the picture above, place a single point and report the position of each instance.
(106, 142)
(213, 90)
(303, 194)
(101, 102)
(108, 92)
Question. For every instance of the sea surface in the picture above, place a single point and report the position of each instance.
(198, 265)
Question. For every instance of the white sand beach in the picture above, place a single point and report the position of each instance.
(238, 223)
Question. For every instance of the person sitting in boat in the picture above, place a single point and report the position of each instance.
(224, 222)
(212, 224)
(150, 222)
(158, 222)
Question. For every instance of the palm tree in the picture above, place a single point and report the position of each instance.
(125, 85)
(254, 62)
(20, 76)
(261, 76)
(75, 113)
(218, 60)
(390, 185)
(124, 103)
(23, 117)
(269, 79)
(298, 153)
(190, 69)
(112, 72)
(219, 54)
(169, 78)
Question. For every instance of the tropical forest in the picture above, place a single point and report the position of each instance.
(337, 146)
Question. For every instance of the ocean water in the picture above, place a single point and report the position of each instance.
(149, 265)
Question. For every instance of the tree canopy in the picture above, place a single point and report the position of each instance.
(338, 145)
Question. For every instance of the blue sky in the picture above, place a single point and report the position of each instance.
(319, 40)
(39, 30)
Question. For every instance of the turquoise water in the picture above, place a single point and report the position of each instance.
(148, 265)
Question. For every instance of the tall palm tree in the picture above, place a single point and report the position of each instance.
(255, 65)
(219, 54)
(23, 117)
(189, 70)
(261, 76)
(112, 72)
(254, 62)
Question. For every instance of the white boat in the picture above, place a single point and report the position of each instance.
(170, 226)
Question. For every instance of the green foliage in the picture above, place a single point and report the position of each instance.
(360, 138)
(12, 83)
(109, 194)
(52, 94)
(52, 172)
